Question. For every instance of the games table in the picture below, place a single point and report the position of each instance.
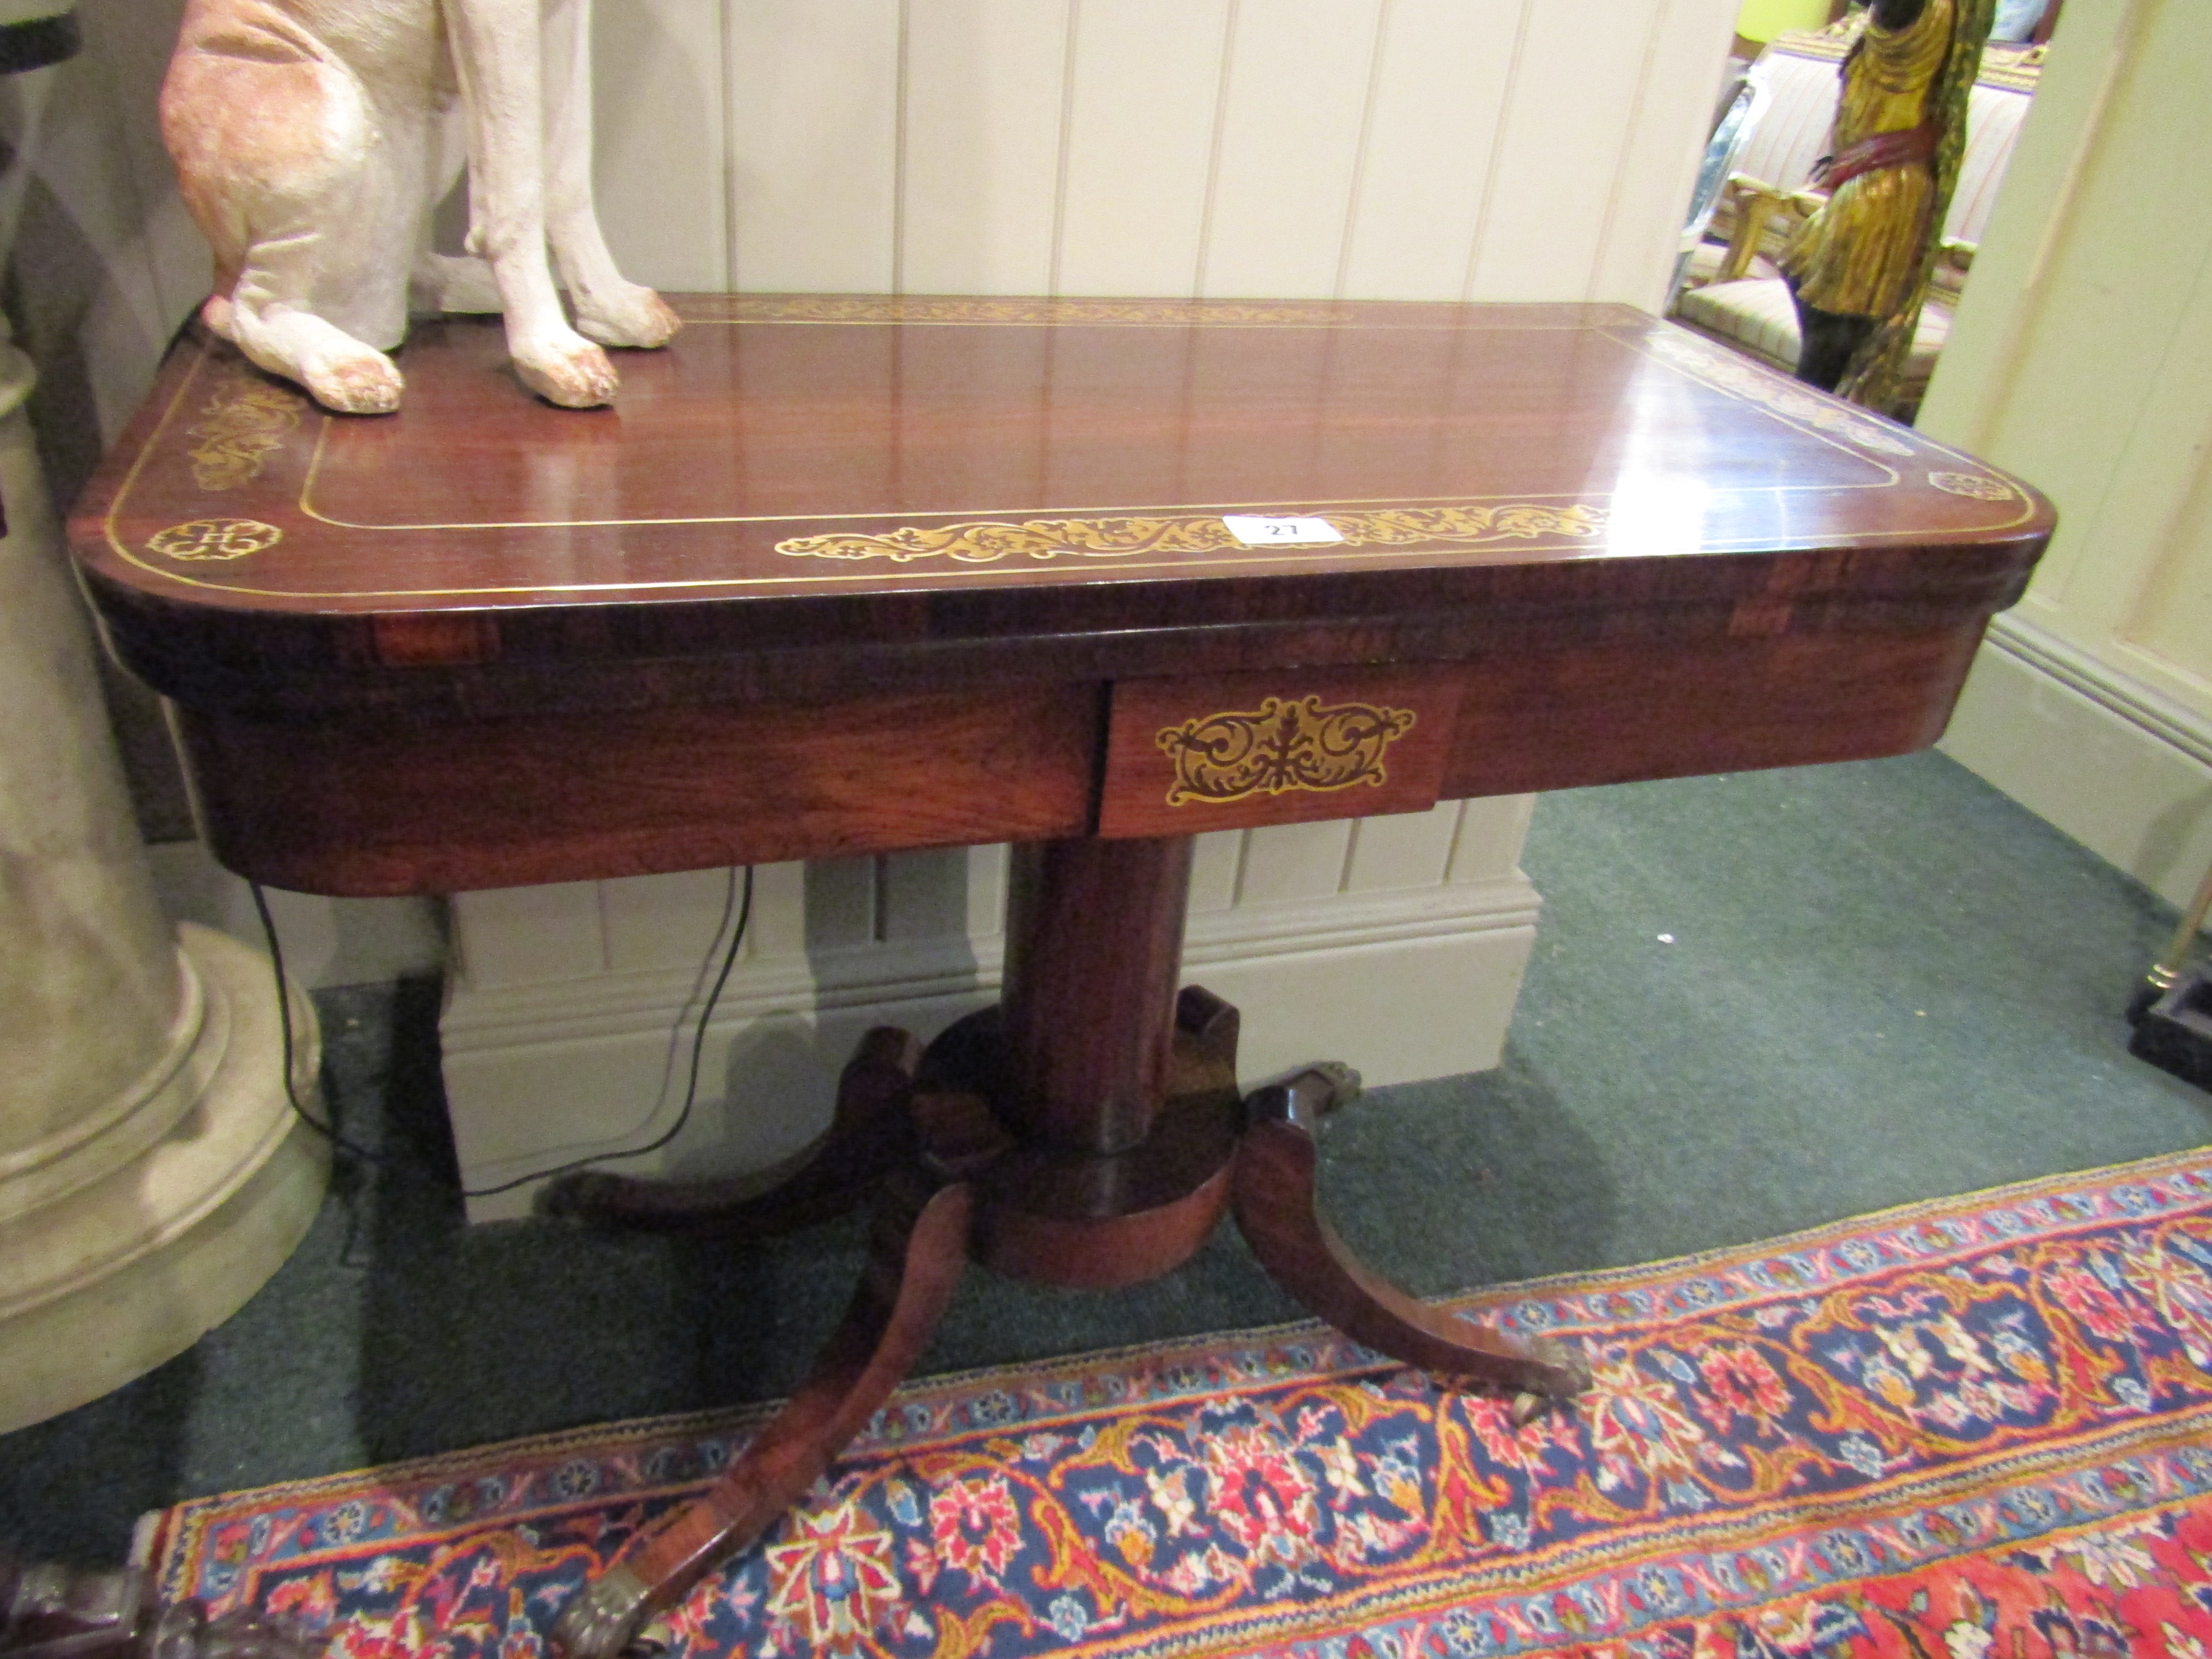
(853, 575)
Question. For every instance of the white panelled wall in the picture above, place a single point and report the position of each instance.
(2081, 359)
(1480, 149)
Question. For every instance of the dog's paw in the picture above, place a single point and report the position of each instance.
(631, 316)
(365, 382)
(575, 374)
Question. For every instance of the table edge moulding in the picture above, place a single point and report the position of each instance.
(850, 575)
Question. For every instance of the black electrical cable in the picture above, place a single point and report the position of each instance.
(284, 1029)
(692, 1085)
(745, 910)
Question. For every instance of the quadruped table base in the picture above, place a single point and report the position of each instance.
(1088, 1132)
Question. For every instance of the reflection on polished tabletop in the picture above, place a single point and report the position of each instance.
(848, 576)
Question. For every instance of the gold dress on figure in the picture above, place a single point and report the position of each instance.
(1858, 255)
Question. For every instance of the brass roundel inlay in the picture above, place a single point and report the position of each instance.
(214, 538)
(1285, 744)
(1978, 486)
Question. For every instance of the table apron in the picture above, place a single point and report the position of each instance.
(388, 805)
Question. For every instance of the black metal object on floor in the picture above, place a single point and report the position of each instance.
(2175, 1032)
(2166, 974)
(39, 36)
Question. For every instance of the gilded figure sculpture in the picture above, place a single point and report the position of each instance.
(1858, 267)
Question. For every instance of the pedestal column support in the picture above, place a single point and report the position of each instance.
(151, 1174)
(1094, 950)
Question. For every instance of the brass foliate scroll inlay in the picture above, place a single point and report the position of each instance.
(1284, 744)
(988, 541)
(242, 423)
(214, 538)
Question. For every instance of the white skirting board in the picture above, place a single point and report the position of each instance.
(2125, 772)
(1397, 944)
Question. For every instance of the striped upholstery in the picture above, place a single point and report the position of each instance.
(1795, 133)
(1792, 133)
(1994, 115)
(1705, 264)
(1757, 318)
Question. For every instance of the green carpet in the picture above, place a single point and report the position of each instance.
(1885, 983)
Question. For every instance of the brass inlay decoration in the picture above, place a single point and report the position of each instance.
(1576, 521)
(988, 541)
(1723, 370)
(241, 424)
(891, 308)
(214, 538)
(1284, 744)
(1977, 485)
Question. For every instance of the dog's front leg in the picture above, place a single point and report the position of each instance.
(496, 54)
(609, 308)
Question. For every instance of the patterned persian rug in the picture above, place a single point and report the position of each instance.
(1974, 1428)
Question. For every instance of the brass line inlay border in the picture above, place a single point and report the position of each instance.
(984, 312)
(986, 542)
(1733, 376)
(1639, 345)
(1285, 744)
(1725, 371)
(953, 308)
(1754, 389)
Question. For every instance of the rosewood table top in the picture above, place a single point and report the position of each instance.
(1613, 549)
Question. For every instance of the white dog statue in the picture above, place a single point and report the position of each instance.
(314, 137)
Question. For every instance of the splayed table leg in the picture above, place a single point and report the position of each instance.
(916, 1253)
(1277, 1211)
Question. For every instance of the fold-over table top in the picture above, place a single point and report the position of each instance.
(785, 444)
(823, 471)
(850, 575)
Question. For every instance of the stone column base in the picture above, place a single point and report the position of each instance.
(102, 1284)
